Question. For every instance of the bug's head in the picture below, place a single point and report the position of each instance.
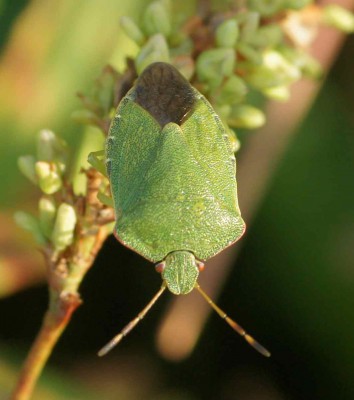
(180, 271)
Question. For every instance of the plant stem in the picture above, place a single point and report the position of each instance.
(65, 274)
(53, 325)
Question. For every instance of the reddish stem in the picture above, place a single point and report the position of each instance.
(54, 323)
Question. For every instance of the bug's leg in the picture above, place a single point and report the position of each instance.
(234, 325)
(97, 160)
(131, 325)
(105, 199)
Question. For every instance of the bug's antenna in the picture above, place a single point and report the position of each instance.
(234, 325)
(132, 324)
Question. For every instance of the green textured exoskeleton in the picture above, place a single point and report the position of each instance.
(173, 182)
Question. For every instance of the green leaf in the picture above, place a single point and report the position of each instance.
(31, 224)
(26, 165)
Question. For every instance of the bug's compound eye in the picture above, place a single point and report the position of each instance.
(160, 267)
(200, 265)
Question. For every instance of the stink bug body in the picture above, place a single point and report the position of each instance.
(173, 182)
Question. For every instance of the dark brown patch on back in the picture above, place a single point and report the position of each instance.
(164, 93)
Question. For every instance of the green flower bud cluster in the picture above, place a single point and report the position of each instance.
(46, 169)
(153, 34)
(54, 226)
(268, 8)
(229, 56)
(338, 17)
(155, 49)
(247, 52)
(252, 53)
(98, 105)
(56, 220)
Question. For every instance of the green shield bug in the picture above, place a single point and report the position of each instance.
(173, 182)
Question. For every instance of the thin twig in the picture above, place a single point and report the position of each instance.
(65, 273)
(53, 325)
